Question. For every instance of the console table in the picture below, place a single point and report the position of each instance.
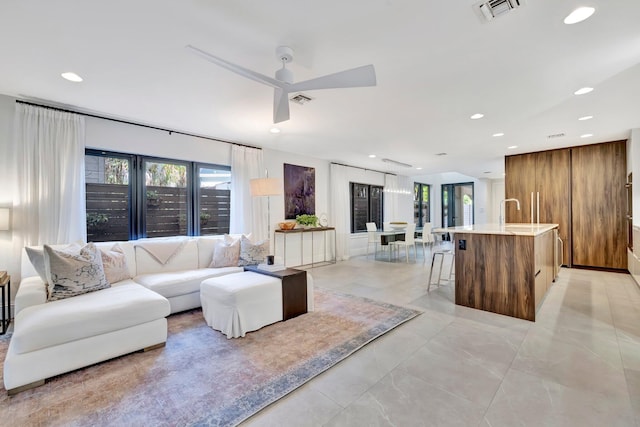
(294, 289)
(286, 236)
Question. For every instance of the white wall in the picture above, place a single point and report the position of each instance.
(482, 195)
(126, 138)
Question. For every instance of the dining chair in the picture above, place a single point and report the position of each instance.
(372, 234)
(409, 240)
(427, 238)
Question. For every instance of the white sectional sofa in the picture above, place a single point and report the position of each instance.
(55, 337)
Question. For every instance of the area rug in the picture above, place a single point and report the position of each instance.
(203, 378)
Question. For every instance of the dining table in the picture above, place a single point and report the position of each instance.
(389, 236)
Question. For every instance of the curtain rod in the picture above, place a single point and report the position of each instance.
(133, 123)
(364, 169)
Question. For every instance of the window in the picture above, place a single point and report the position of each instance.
(421, 204)
(366, 206)
(131, 196)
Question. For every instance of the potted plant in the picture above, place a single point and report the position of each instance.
(307, 221)
(96, 221)
(204, 218)
(153, 198)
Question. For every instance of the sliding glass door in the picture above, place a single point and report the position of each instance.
(457, 204)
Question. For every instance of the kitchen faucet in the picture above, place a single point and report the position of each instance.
(502, 203)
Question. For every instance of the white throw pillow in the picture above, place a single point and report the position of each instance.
(252, 253)
(225, 255)
(74, 272)
(115, 265)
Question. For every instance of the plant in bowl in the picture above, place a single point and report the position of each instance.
(307, 220)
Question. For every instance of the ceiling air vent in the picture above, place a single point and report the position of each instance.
(301, 99)
(555, 135)
(494, 8)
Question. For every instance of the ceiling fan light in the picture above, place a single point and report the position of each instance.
(285, 75)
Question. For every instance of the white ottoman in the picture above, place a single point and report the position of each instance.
(238, 303)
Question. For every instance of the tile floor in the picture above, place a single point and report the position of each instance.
(578, 365)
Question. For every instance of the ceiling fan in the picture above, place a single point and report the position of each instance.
(283, 83)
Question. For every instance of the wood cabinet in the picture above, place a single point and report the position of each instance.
(504, 273)
(598, 194)
(547, 175)
(582, 190)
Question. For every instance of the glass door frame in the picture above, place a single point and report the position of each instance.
(448, 219)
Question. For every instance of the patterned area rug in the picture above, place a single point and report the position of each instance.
(201, 377)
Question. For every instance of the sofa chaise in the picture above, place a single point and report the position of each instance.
(51, 338)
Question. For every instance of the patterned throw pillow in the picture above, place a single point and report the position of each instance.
(36, 256)
(115, 264)
(225, 255)
(252, 253)
(74, 272)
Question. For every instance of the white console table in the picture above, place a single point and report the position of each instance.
(300, 238)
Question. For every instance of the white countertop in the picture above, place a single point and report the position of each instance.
(506, 229)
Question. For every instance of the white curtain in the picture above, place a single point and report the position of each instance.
(49, 206)
(398, 198)
(340, 209)
(248, 215)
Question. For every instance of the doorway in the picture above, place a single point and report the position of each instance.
(457, 204)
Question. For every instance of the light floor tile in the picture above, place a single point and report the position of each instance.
(577, 365)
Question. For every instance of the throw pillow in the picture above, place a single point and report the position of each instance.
(74, 272)
(115, 264)
(252, 253)
(225, 255)
(229, 239)
(36, 256)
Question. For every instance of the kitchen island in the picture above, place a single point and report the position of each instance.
(505, 269)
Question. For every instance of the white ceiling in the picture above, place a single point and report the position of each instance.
(436, 65)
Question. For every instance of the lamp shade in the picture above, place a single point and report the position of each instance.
(4, 219)
(265, 187)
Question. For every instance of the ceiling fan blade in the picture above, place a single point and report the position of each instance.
(355, 77)
(260, 78)
(280, 106)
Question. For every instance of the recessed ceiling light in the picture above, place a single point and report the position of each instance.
(487, 171)
(372, 156)
(511, 147)
(579, 15)
(583, 118)
(583, 90)
(586, 135)
(419, 169)
(477, 116)
(498, 134)
(72, 77)
(441, 154)
(274, 130)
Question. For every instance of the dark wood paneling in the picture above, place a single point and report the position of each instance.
(553, 182)
(496, 273)
(599, 205)
(520, 181)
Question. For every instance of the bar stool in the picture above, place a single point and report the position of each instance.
(442, 254)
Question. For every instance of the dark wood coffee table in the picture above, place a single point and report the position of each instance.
(294, 289)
